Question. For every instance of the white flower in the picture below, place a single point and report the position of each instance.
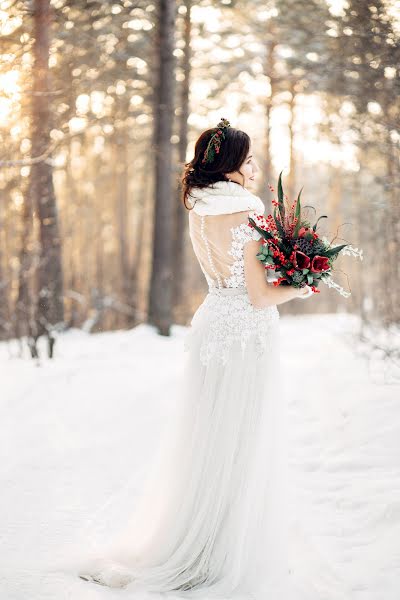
(350, 251)
(332, 284)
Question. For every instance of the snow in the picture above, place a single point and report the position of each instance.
(78, 431)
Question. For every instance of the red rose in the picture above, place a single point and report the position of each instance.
(319, 263)
(300, 260)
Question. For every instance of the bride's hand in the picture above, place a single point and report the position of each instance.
(304, 292)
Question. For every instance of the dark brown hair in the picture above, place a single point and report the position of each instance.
(234, 149)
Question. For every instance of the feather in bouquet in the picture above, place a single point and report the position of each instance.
(294, 250)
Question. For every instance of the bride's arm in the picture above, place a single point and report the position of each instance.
(262, 293)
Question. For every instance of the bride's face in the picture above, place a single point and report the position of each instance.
(248, 170)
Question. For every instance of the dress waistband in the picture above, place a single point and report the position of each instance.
(227, 291)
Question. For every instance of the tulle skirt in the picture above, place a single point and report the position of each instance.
(211, 520)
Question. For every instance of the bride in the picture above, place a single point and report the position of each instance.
(211, 520)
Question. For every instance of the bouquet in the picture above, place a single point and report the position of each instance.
(294, 250)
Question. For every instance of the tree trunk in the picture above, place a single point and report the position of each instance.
(292, 164)
(4, 307)
(270, 73)
(161, 283)
(24, 309)
(121, 151)
(50, 283)
(392, 217)
(180, 217)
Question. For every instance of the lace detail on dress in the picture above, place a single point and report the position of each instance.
(240, 235)
(223, 319)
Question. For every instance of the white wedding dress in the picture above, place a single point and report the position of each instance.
(211, 521)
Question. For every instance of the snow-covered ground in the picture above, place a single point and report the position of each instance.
(76, 429)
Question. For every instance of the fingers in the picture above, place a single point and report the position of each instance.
(308, 292)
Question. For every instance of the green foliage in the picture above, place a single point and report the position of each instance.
(281, 202)
(279, 225)
(321, 217)
(297, 214)
(266, 234)
(333, 252)
(298, 277)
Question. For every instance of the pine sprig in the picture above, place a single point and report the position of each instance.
(214, 143)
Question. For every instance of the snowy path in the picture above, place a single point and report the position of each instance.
(75, 430)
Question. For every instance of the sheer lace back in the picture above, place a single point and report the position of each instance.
(226, 316)
(218, 242)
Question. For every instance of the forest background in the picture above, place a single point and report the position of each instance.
(100, 106)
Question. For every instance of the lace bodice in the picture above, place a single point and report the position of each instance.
(218, 242)
(240, 235)
(226, 315)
